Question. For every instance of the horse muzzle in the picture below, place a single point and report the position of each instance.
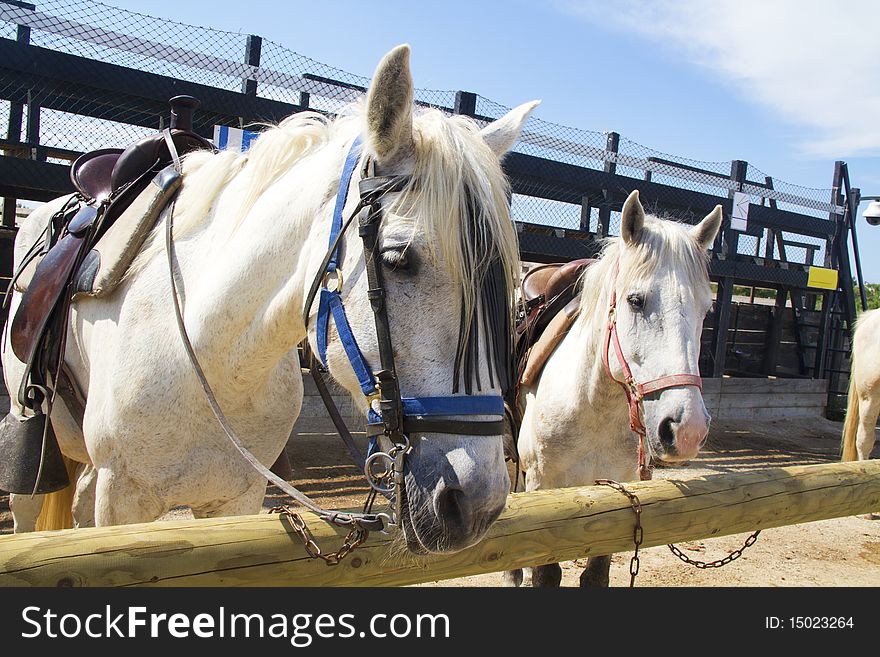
(449, 506)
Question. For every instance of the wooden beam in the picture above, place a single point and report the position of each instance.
(107, 91)
(561, 181)
(34, 180)
(536, 528)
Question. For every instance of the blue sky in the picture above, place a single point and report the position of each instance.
(791, 86)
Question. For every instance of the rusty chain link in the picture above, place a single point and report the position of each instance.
(639, 534)
(354, 538)
(733, 556)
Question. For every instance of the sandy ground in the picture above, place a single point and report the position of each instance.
(839, 552)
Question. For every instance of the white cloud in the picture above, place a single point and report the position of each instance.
(814, 63)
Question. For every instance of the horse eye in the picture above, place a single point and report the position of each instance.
(636, 301)
(395, 260)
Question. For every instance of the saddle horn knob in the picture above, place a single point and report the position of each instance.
(182, 110)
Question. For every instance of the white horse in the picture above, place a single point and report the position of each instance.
(863, 405)
(250, 233)
(576, 422)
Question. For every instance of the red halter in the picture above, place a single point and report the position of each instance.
(635, 391)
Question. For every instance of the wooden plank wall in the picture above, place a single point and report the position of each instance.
(725, 399)
(767, 398)
(747, 342)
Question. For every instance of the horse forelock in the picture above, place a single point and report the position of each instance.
(459, 193)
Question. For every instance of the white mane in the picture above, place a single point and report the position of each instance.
(454, 172)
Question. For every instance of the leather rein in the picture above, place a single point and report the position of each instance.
(635, 392)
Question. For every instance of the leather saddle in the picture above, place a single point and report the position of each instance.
(100, 174)
(108, 180)
(549, 305)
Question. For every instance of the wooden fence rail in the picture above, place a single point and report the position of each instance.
(536, 528)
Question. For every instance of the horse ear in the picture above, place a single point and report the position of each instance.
(632, 218)
(705, 231)
(502, 134)
(389, 106)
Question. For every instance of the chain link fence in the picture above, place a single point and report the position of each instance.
(225, 60)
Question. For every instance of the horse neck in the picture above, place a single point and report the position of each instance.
(252, 286)
(577, 370)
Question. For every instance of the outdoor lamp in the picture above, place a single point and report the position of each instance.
(872, 212)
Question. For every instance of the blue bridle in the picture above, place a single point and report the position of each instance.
(389, 414)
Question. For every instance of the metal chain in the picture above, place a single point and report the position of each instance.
(354, 538)
(638, 533)
(733, 556)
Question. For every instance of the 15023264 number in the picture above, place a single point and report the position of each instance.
(820, 622)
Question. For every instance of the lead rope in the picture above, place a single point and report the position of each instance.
(638, 532)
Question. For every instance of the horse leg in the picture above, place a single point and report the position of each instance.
(596, 572)
(25, 511)
(120, 500)
(512, 577)
(84, 496)
(249, 503)
(869, 409)
(549, 576)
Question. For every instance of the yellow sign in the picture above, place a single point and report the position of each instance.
(823, 278)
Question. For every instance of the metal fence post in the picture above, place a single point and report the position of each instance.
(612, 143)
(32, 125)
(252, 51)
(585, 213)
(13, 133)
(729, 243)
(465, 103)
(32, 129)
(16, 110)
(837, 256)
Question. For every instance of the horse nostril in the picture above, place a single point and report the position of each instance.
(452, 507)
(667, 436)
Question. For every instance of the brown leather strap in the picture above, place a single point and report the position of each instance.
(333, 411)
(670, 381)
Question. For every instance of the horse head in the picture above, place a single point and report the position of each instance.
(447, 260)
(663, 294)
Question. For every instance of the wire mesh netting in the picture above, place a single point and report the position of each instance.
(220, 60)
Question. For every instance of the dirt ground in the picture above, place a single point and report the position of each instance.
(839, 552)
